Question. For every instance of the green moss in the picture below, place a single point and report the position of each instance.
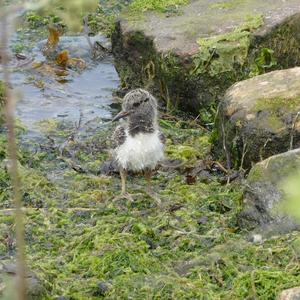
(274, 122)
(221, 53)
(256, 173)
(255, 281)
(182, 152)
(82, 245)
(274, 109)
(158, 5)
(275, 104)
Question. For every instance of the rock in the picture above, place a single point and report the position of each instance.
(290, 294)
(263, 193)
(256, 238)
(260, 116)
(35, 289)
(102, 288)
(192, 57)
(109, 167)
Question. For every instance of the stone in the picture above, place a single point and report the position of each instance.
(35, 288)
(260, 116)
(264, 194)
(256, 238)
(189, 59)
(109, 167)
(290, 294)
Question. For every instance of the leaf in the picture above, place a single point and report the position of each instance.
(62, 58)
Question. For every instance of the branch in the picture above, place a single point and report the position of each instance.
(12, 155)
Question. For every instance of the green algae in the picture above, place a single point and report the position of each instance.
(84, 246)
(222, 53)
(190, 150)
(138, 6)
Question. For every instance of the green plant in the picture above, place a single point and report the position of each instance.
(263, 62)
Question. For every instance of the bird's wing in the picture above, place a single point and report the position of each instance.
(118, 137)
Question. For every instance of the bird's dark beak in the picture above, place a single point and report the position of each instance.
(120, 115)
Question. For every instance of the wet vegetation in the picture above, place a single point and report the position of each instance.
(82, 245)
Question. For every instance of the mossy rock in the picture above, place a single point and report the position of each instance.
(260, 117)
(264, 195)
(190, 58)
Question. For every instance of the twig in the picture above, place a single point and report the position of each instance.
(263, 148)
(225, 146)
(13, 166)
(221, 167)
(243, 153)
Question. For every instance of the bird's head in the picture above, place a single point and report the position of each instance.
(138, 104)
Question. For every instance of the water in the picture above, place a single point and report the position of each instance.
(87, 93)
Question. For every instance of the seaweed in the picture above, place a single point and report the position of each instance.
(81, 245)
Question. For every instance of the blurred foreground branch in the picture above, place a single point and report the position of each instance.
(12, 154)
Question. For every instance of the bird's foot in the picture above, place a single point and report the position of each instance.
(122, 196)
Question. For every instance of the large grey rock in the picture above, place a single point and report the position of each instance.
(264, 194)
(260, 116)
(290, 294)
(192, 57)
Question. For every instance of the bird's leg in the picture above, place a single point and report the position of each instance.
(149, 191)
(124, 195)
(123, 174)
(148, 175)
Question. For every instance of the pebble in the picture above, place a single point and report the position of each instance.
(256, 238)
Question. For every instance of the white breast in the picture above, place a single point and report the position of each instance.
(144, 150)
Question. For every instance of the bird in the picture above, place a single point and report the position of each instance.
(139, 143)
